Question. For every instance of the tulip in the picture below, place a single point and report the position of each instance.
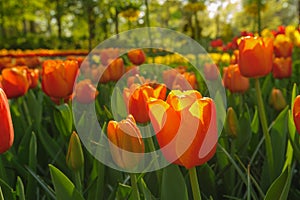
(276, 100)
(75, 158)
(15, 81)
(6, 125)
(231, 125)
(211, 71)
(296, 113)
(138, 96)
(85, 92)
(34, 77)
(58, 77)
(125, 137)
(116, 69)
(233, 80)
(185, 127)
(137, 56)
(255, 56)
(283, 47)
(183, 81)
(282, 67)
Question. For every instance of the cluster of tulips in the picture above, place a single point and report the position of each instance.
(184, 121)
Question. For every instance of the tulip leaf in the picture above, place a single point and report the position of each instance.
(32, 163)
(145, 190)
(118, 104)
(123, 191)
(278, 138)
(64, 188)
(1, 194)
(41, 182)
(20, 189)
(173, 184)
(281, 186)
(7, 191)
(63, 119)
(221, 111)
(207, 180)
(255, 122)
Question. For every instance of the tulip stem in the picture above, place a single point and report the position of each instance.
(78, 180)
(135, 191)
(264, 124)
(194, 183)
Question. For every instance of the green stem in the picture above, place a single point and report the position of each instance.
(152, 149)
(264, 124)
(194, 183)
(135, 191)
(78, 181)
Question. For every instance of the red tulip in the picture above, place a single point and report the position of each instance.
(137, 56)
(185, 126)
(296, 113)
(138, 97)
(255, 56)
(211, 71)
(282, 67)
(6, 125)
(15, 81)
(85, 92)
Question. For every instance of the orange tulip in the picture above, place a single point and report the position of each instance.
(116, 69)
(183, 81)
(15, 81)
(125, 137)
(58, 77)
(85, 92)
(255, 56)
(276, 100)
(138, 96)
(34, 77)
(282, 67)
(6, 125)
(137, 56)
(283, 47)
(233, 80)
(185, 127)
(296, 113)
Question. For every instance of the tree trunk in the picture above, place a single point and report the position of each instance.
(2, 21)
(32, 27)
(91, 25)
(117, 22)
(299, 12)
(58, 18)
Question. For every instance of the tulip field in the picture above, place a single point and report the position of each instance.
(150, 113)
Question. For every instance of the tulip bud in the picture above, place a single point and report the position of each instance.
(6, 125)
(137, 56)
(75, 158)
(276, 100)
(232, 127)
(296, 113)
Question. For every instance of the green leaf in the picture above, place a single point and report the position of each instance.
(1, 194)
(8, 192)
(63, 119)
(173, 184)
(31, 182)
(64, 188)
(255, 122)
(278, 135)
(123, 191)
(20, 189)
(42, 183)
(207, 180)
(118, 102)
(280, 187)
(145, 190)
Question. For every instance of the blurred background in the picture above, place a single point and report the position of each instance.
(82, 24)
